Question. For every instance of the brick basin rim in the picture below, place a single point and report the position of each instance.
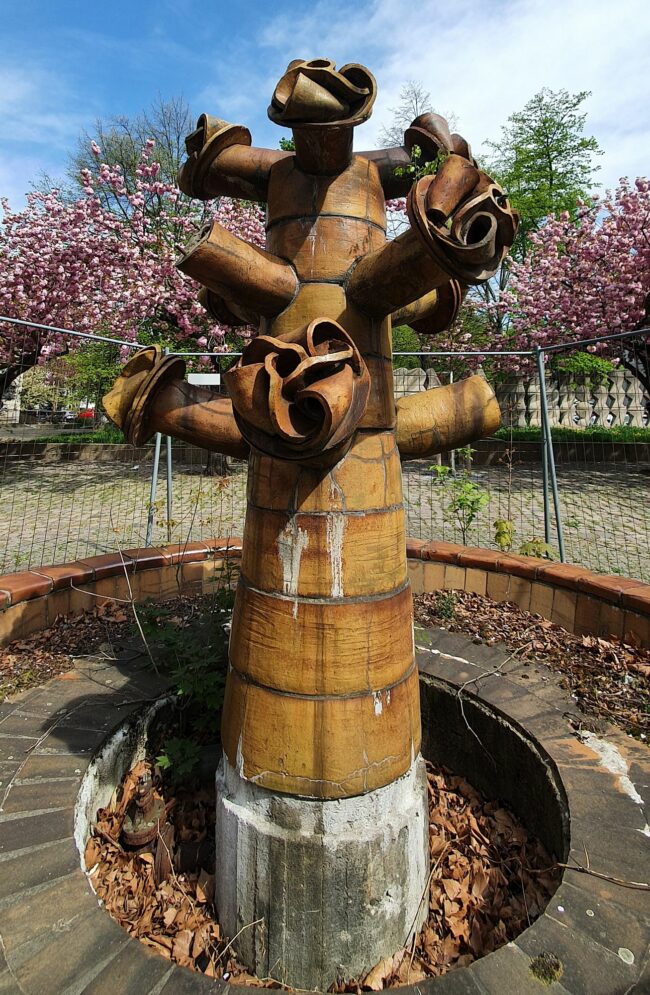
(29, 584)
(575, 760)
(575, 597)
(129, 747)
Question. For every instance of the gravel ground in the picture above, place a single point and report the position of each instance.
(57, 512)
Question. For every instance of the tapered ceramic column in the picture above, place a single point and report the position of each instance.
(322, 794)
(321, 824)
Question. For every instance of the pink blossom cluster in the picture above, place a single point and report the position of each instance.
(584, 277)
(77, 264)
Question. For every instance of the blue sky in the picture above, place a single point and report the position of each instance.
(63, 64)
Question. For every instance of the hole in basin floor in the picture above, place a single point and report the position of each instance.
(490, 879)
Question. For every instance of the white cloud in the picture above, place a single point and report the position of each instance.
(38, 125)
(37, 106)
(485, 60)
(480, 59)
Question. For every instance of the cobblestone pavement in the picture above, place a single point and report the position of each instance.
(58, 512)
(605, 512)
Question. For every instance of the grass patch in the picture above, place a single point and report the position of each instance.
(109, 434)
(618, 433)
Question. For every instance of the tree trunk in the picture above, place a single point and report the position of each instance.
(636, 359)
(11, 372)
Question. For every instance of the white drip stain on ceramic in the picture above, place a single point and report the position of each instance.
(335, 531)
(291, 543)
(613, 760)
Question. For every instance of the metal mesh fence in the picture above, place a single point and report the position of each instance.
(598, 445)
(69, 485)
(70, 488)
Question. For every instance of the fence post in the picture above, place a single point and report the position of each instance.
(152, 489)
(548, 465)
(452, 454)
(168, 442)
(539, 359)
(168, 451)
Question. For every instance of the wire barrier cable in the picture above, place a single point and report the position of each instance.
(568, 473)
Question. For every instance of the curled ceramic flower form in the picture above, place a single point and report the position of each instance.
(210, 137)
(315, 92)
(464, 219)
(430, 133)
(302, 395)
(130, 402)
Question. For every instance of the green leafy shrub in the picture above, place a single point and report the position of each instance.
(108, 434)
(418, 167)
(537, 547)
(406, 340)
(445, 605)
(193, 648)
(504, 534)
(617, 433)
(583, 367)
(181, 757)
(465, 499)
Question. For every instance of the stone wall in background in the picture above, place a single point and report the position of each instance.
(618, 400)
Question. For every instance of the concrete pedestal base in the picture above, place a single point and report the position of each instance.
(337, 884)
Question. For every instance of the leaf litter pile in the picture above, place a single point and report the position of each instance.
(489, 880)
(161, 893)
(106, 630)
(605, 677)
(27, 662)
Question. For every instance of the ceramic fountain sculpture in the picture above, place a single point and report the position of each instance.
(322, 810)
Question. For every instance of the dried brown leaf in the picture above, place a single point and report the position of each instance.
(205, 887)
(182, 944)
(375, 980)
(92, 853)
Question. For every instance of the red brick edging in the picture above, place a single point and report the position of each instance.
(582, 601)
(32, 600)
(575, 597)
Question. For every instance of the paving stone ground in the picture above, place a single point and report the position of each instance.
(605, 511)
(54, 937)
(56, 940)
(56, 512)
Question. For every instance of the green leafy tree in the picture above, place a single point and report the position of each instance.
(90, 372)
(583, 367)
(406, 340)
(465, 498)
(41, 387)
(546, 164)
(544, 160)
